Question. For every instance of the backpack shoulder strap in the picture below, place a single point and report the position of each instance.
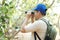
(35, 34)
(45, 21)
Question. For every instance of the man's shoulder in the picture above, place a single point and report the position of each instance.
(40, 22)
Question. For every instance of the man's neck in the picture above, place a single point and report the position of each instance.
(39, 18)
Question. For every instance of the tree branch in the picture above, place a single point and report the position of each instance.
(51, 3)
(3, 2)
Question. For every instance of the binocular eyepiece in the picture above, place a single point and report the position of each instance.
(30, 12)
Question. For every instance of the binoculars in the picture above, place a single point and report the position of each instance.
(30, 12)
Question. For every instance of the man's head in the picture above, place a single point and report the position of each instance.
(40, 10)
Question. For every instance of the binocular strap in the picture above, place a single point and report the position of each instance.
(36, 35)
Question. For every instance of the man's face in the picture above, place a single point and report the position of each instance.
(37, 14)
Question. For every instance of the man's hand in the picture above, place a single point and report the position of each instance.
(28, 15)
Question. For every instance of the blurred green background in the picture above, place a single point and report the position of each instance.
(12, 13)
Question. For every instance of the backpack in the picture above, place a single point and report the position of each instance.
(50, 32)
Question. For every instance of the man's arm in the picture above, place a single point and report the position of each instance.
(37, 25)
(32, 27)
(25, 22)
(23, 25)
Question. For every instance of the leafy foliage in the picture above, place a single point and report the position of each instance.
(6, 11)
(12, 13)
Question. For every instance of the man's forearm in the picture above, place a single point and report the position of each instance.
(23, 25)
(25, 22)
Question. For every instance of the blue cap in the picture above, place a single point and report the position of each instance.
(42, 8)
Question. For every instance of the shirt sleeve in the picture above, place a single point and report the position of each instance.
(34, 26)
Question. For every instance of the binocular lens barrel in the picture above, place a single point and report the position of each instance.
(27, 12)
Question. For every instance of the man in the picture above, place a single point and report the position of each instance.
(37, 26)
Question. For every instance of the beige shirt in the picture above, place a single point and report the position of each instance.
(39, 26)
